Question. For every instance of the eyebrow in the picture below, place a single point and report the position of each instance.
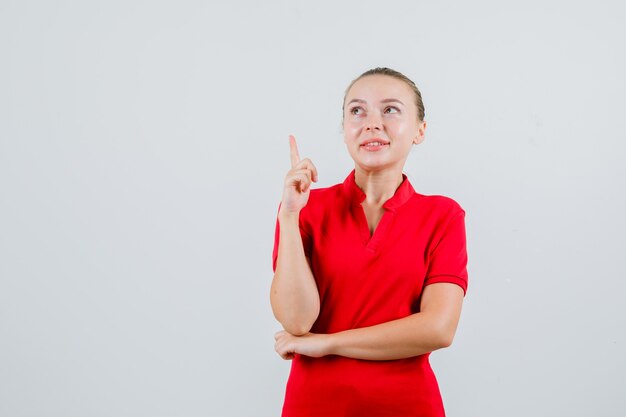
(387, 100)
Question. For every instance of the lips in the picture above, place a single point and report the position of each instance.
(374, 144)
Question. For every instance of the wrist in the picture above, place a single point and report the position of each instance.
(330, 343)
(285, 216)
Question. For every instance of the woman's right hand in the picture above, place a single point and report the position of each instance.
(294, 296)
(297, 182)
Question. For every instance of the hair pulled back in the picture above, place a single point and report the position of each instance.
(397, 75)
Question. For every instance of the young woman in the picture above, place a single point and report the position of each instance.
(369, 275)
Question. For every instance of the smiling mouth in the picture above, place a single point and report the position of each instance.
(374, 146)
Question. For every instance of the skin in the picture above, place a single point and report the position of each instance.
(380, 108)
(294, 297)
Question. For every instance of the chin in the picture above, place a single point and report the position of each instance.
(378, 163)
(373, 166)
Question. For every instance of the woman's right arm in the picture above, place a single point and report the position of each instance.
(294, 296)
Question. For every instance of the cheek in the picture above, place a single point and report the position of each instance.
(350, 132)
(401, 128)
(397, 125)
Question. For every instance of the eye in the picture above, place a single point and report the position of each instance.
(357, 111)
(391, 110)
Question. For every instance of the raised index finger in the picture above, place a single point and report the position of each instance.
(295, 156)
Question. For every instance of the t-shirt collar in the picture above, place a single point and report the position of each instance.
(356, 196)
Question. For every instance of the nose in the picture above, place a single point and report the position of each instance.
(373, 122)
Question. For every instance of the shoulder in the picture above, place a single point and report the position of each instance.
(323, 199)
(320, 194)
(325, 195)
(438, 203)
(434, 212)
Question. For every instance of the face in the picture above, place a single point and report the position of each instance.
(380, 122)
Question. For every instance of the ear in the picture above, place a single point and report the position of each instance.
(421, 131)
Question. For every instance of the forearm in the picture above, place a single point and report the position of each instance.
(294, 295)
(410, 336)
(431, 329)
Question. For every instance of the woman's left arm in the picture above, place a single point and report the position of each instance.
(431, 329)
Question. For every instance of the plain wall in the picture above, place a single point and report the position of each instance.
(143, 147)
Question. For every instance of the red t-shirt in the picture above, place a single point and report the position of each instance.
(364, 281)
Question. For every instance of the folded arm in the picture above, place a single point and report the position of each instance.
(431, 329)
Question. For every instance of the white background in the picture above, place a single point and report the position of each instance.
(143, 146)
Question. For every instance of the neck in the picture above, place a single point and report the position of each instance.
(378, 186)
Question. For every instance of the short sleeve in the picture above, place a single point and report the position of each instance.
(448, 258)
(306, 241)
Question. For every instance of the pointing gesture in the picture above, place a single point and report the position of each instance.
(295, 155)
(298, 181)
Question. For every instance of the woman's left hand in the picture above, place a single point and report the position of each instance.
(310, 344)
